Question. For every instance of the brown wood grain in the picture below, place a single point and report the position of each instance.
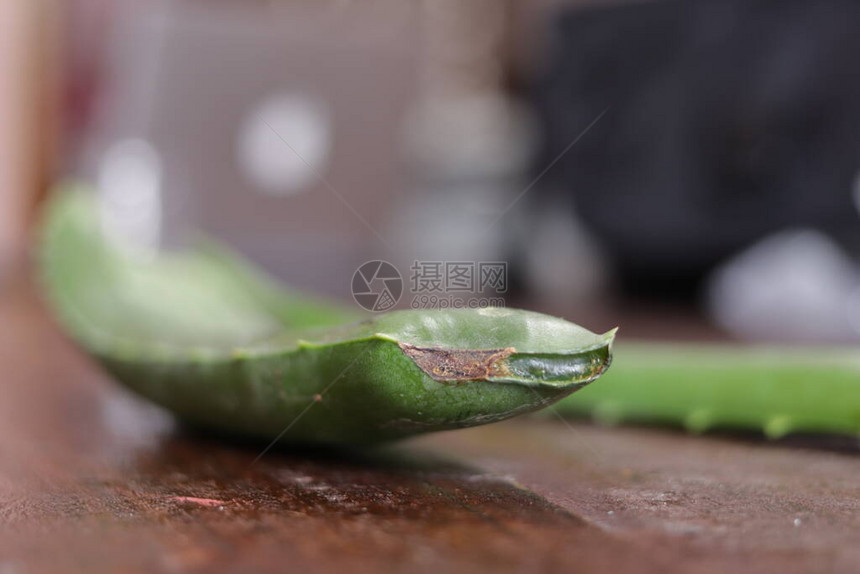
(93, 479)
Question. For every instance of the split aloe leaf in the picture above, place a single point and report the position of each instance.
(224, 346)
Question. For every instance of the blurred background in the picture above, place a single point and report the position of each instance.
(684, 168)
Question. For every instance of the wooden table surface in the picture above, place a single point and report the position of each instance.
(93, 479)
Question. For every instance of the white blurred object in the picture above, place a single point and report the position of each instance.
(129, 185)
(468, 157)
(795, 285)
(276, 125)
(564, 262)
(487, 135)
(298, 123)
(467, 142)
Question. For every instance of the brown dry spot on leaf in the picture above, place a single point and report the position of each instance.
(459, 364)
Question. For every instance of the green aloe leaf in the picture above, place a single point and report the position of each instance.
(711, 386)
(224, 346)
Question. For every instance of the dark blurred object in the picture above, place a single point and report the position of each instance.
(728, 120)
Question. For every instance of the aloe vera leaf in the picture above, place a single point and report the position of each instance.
(709, 386)
(223, 346)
